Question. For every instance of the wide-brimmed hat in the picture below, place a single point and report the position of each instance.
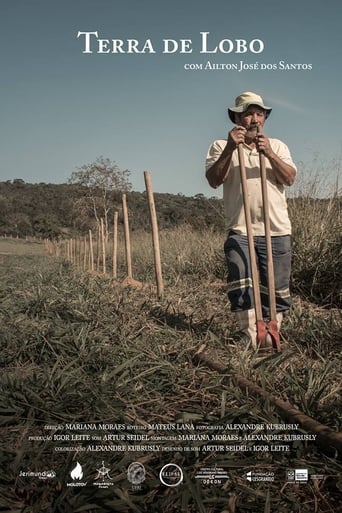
(243, 101)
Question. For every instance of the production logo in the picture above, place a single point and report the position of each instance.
(171, 475)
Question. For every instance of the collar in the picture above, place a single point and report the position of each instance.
(251, 150)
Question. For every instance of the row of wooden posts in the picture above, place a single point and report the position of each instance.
(80, 252)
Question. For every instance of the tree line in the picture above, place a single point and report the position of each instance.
(63, 210)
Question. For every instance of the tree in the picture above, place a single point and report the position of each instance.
(99, 179)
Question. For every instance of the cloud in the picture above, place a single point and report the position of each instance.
(284, 103)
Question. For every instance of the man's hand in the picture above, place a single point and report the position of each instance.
(284, 173)
(236, 136)
(263, 145)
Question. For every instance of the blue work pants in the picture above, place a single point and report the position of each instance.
(240, 290)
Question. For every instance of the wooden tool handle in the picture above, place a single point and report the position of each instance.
(252, 257)
(270, 268)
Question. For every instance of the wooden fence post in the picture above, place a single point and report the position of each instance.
(85, 255)
(127, 237)
(77, 252)
(68, 250)
(71, 251)
(98, 247)
(115, 245)
(103, 246)
(91, 251)
(155, 236)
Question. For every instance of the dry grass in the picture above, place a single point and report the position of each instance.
(316, 218)
(76, 349)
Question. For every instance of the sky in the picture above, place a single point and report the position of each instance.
(62, 108)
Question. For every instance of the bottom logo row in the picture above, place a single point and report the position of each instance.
(171, 475)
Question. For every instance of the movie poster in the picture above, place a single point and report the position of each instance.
(126, 385)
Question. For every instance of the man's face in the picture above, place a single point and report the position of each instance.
(254, 115)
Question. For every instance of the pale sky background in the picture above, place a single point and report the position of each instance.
(61, 108)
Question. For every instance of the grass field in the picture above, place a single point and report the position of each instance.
(76, 349)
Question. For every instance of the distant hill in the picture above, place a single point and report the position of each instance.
(61, 210)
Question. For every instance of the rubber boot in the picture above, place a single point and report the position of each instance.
(246, 322)
(279, 319)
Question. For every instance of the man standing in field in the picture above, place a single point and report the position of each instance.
(222, 167)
